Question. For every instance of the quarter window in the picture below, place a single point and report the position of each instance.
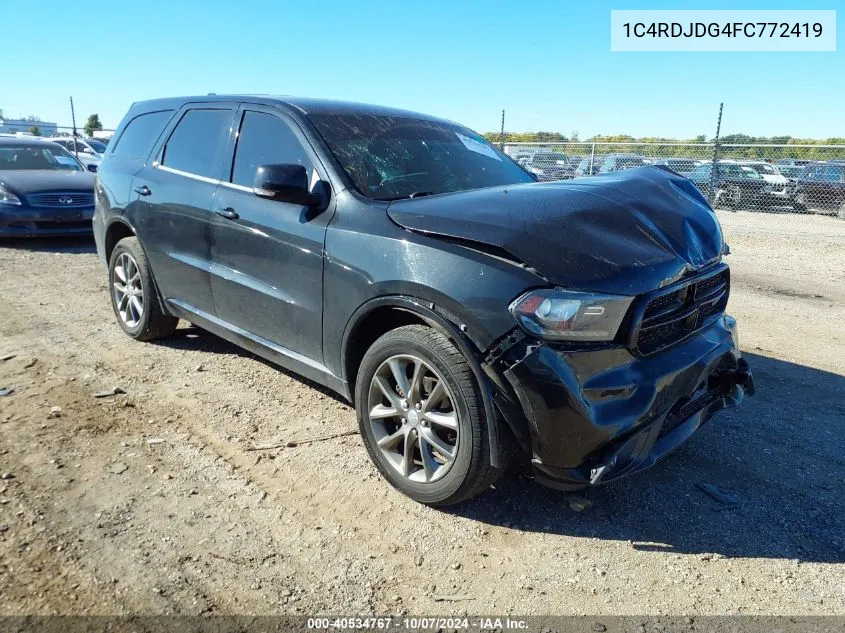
(140, 134)
(196, 145)
(265, 139)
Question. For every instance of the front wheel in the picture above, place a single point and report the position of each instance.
(840, 212)
(422, 417)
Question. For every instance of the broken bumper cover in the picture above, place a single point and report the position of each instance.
(599, 415)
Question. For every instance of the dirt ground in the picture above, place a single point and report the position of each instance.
(150, 502)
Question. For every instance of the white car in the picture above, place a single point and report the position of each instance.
(86, 154)
(771, 175)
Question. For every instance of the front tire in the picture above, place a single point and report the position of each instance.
(421, 417)
(133, 293)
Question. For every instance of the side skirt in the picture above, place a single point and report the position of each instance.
(268, 350)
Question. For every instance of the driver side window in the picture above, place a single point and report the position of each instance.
(265, 139)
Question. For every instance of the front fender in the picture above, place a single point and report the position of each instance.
(443, 321)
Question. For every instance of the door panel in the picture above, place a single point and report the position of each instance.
(174, 225)
(267, 273)
(174, 203)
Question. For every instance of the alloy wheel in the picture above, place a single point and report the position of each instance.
(413, 418)
(128, 291)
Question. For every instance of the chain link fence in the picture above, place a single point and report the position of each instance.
(773, 178)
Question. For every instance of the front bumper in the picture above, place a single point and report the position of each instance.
(24, 221)
(778, 195)
(599, 415)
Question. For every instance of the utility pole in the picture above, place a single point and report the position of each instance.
(502, 133)
(73, 119)
(715, 167)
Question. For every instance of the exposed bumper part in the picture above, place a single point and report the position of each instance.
(599, 415)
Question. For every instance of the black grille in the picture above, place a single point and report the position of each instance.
(63, 225)
(684, 412)
(671, 315)
(61, 200)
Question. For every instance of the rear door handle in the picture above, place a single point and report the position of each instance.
(143, 190)
(229, 213)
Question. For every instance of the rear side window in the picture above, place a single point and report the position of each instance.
(265, 139)
(140, 134)
(196, 145)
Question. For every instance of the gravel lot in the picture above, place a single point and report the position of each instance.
(151, 502)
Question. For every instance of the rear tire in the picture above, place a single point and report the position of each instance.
(421, 417)
(134, 296)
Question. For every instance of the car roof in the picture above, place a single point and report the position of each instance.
(24, 140)
(302, 105)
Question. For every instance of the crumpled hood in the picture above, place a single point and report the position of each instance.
(625, 232)
(26, 181)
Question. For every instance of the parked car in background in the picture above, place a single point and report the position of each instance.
(80, 148)
(791, 172)
(735, 186)
(98, 145)
(682, 166)
(821, 189)
(617, 162)
(586, 167)
(794, 162)
(407, 264)
(44, 190)
(549, 166)
(771, 174)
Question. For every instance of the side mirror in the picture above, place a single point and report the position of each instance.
(92, 168)
(285, 183)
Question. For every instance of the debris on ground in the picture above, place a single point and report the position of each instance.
(118, 468)
(154, 440)
(725, 498)
(7, 476)
(452, 598)
(111, 392)
(6, 357)
(30, 363)
(295, 443)
(7, 391)
(55, 412)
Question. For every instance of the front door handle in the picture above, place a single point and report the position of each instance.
(143, 190)
(229, 213)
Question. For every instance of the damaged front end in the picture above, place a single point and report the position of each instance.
(591, 413)
(622, 348)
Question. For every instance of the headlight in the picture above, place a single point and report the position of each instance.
(8, 198)
(561, 315)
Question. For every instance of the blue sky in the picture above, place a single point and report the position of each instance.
(548, 63)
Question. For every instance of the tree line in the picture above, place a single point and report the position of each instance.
(631, 144)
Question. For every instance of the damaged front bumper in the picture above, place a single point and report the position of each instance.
(600, 414)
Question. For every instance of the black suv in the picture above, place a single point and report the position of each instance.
(821, 188)
(469, 312)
